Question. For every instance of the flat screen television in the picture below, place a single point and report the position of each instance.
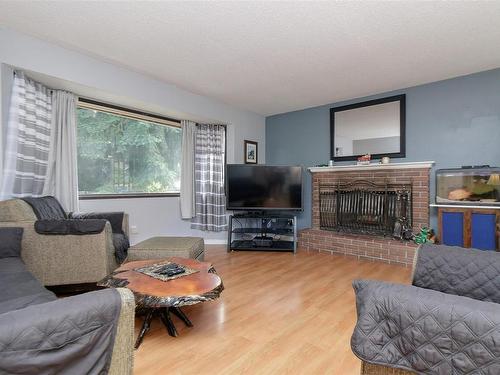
(263, 187)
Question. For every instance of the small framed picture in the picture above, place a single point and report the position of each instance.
(251, 152)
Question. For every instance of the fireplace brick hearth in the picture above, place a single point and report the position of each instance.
(365, 246)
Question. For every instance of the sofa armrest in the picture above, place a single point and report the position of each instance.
(425, 331)
(112, 217)
(66, 259)
(73, 335)
(455, 270)
(122, 360)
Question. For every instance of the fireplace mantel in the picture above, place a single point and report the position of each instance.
(373, 166)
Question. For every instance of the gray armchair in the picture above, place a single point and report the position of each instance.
(447, 322)
(61, 259)
(41, 334)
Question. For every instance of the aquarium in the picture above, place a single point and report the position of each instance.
(468, 185)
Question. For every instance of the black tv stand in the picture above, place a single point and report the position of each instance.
(262, 231)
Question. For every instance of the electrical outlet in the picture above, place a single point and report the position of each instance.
(134, 230)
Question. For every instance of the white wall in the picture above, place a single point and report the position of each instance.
(151, 217)
(85, 75)
(6, 79)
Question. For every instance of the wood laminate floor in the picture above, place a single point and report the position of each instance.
(279, 314)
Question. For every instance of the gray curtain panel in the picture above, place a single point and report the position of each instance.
(62, 174)
(28, 138)
(210, 202)
(187, 197)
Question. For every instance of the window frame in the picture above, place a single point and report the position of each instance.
(136, 115)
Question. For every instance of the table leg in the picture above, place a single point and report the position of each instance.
(180, 314)
(145, 327)
(167, 321)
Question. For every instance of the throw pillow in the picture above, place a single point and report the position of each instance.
(10, 242)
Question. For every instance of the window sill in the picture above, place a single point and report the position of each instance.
(125, 196)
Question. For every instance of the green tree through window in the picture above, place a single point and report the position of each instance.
(120, 155)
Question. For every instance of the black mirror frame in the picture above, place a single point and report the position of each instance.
(402, 129)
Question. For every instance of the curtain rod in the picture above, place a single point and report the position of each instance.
(113, 106)
(119, 108)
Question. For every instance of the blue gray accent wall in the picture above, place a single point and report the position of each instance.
(453, 122)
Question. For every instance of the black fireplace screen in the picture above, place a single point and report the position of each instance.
(362, 206)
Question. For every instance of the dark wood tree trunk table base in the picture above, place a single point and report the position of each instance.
(159, 298)
(166, 319)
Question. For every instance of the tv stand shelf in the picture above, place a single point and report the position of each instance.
(282, 231)
(278, 230)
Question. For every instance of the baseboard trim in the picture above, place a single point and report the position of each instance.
(215, 242)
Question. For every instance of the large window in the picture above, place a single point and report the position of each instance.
(126, 153)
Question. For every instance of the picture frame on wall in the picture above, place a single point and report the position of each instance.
(251, 149)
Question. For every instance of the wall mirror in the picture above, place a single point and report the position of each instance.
(375, 127)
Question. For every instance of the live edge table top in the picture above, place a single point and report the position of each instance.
(149, 292)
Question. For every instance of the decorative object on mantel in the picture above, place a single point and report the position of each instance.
(251, 152)
(364, 160)
(385, 160)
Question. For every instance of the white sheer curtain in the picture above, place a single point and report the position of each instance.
(187, 169)
(62, 174)
(28, 138)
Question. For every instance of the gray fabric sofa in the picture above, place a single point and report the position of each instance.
(91, 333)
(61, 259)
(446, 322)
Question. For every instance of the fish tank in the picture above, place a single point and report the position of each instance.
(468, 185)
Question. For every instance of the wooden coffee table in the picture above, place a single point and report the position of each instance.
(160, 298)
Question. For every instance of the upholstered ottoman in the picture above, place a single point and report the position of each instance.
(163, 247)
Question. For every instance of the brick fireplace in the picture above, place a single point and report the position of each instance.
(368, 246)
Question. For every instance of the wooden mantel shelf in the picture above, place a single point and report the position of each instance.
(373, 166)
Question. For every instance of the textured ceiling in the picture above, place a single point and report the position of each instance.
(273, 57)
